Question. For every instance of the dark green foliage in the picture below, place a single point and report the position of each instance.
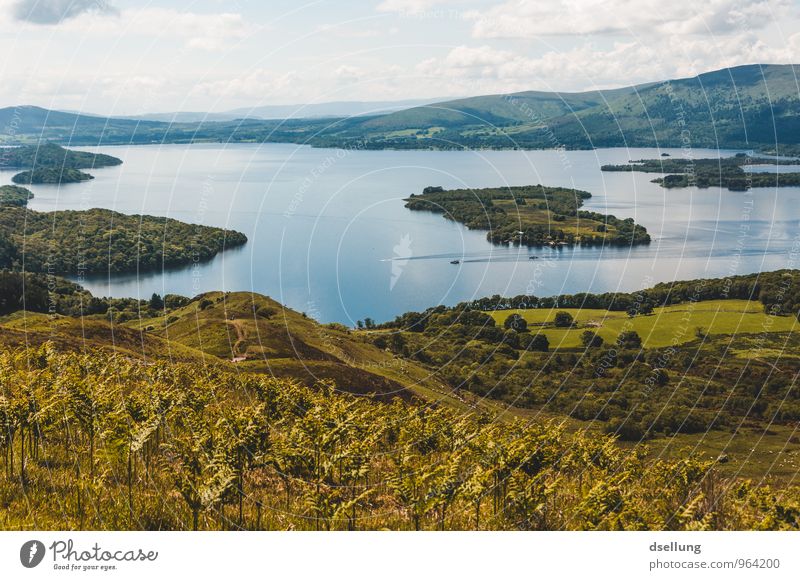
(14, 196)
(172, 301)
(516, 322)
(722, 172)
(51, 163)
(50, 155)
(99, 240)
(54, 295)
(51, 175)
(779, 291)
(591, 339)
(17, 292)
(562, 319)
(691, 388)
(537, 342)
(478, 209)
(156, 302)
(629, 339)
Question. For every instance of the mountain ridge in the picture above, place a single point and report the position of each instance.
(754, 106)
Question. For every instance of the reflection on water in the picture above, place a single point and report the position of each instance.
(328, 233)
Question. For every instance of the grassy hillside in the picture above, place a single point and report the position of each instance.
(97, 442)
(740, 106)
(706, 362)
(657, 330)
(229, 411)
(239, 330)
(748, 106)
(502, 110)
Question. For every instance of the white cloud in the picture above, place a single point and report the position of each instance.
(56, 11)
(475, 70)
(523, 19)
(195, 30)
(347, 74)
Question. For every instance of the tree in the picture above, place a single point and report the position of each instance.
(516, 322)
(156, 302)
(539, 342)
(590, 339)
(640, 309)
(629, 339)
(563, 319)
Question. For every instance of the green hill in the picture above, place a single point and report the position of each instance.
(229, 411)
(752, 106)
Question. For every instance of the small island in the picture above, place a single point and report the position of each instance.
(49, 175)
(51, 163)
(14, 196)
(532, 215)
(725, 172)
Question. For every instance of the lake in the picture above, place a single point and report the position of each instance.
(329, 236)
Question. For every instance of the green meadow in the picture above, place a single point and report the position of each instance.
(669, 325)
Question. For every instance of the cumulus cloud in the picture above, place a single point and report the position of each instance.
(56, 11)
(522, 18)
(472, 70)
(206, 31)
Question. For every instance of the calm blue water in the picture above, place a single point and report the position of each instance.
(324, 225)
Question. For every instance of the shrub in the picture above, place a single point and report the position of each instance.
(563, 319)
(172, 301)
(266, 312)
(629, 339)
(516, 322)
(591, 339)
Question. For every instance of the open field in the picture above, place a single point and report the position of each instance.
(667, 326)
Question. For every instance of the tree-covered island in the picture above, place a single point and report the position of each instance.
(531, 215)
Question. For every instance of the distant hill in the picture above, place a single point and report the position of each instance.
(753, 106)
(296, 111)
(750, 107)
(524, 107)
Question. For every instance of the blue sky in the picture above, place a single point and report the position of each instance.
(124, 57)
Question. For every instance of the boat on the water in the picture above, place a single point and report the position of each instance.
(455, 261)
